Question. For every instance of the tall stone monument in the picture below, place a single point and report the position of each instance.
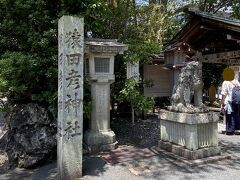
(70, 97)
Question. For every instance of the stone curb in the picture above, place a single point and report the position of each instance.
(187, 162)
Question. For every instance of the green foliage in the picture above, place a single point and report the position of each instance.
(28, 26)
(28, 51)
(214, 6)
(236, 9)
(141, 52)
(145, 29)
(22, 81)
(28, 40)
(212, 74)
(128, 90)
(131, 94)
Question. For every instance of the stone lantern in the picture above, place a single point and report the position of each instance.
(99, 64)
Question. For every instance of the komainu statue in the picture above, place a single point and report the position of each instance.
(189, 86)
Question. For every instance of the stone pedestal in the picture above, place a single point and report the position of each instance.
(193, 136)
(100, 140)
(100, 137)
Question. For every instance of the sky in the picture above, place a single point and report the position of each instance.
(177, 2)
(142, 2)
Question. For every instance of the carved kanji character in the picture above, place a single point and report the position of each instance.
(73, 39)
(73, 79)
(73, 59)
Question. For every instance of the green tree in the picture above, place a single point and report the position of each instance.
(145, 30)
(131, 94)
(28, 30)
(28, 51)
(28, 46)
(214, 6)
(211, 77)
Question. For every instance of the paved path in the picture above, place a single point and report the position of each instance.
(155, 167)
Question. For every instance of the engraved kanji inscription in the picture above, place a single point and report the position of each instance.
(60, 59)
(76, 129)
(71, 130)
(60, 80)
(73, 103)
(73, 59)
(73, 79)
(60, 103)
(60, 40)
(73, 39)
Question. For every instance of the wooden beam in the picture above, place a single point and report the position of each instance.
(222, 25)
(230, 37)
(230, 57)
(191, 31)
(199, 37)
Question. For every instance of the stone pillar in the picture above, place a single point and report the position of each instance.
(100, 137)
(198, 96)
(70, 97)
(174, 58)
(101, 106)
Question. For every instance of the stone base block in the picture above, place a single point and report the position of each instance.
(189, 154)
(104, 147)
(100, 140)
(185, 163)
(193, 131)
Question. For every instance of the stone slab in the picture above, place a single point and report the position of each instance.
(100, 140)
(189, 154)
(96, 148)
(99, 137)
(104, 46)
(181, 161)
(188, 118)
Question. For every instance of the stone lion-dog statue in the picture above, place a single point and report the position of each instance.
(189, 85)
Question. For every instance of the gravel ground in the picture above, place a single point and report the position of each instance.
(144, 133)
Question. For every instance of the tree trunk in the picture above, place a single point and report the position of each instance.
(152, 1)
(133, 120)
(135, 12)
(126, 19)
(164, 5)
(163, 2)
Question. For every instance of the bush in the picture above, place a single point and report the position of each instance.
(24, 79)
(130, 93)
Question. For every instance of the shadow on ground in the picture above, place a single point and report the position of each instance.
(144, 134)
